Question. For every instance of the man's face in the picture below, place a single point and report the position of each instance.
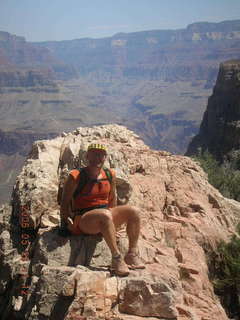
(96, 157)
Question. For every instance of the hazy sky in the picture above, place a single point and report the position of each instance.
(39, 20)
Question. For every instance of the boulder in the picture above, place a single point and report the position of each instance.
(47, 276)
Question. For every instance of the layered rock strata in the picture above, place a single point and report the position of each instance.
(45, 276)
(15, 50)
(185, 54)
(25, 78)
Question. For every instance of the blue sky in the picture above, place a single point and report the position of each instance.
(40, 20)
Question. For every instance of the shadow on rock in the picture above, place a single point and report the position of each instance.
(61, 307)
(54, 250)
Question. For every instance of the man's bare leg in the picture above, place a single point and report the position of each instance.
(106, 222)
(101, 220)
(131, 216)
(128, 215)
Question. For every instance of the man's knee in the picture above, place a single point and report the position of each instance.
(105, 217)
(134, 212)
(125, 214)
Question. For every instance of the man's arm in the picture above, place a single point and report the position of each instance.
(68, 191)
(112, 196)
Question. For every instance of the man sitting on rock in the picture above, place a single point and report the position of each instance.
(97, 211)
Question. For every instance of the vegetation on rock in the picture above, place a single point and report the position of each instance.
(225, 177)
(224, 266)
(224, 263)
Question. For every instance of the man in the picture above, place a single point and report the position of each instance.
(97, 211)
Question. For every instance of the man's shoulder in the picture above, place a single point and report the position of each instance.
(75, 173)
(110, 171)
(113, 172)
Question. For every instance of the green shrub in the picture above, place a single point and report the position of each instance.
(226, 178)
(224, 264)
(224, 267)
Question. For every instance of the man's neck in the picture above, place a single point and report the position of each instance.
(93, 171)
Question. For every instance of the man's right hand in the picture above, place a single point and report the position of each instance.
(64, 218)
(69, 224)
(68, 190)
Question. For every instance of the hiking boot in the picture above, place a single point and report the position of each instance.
(133, 261)
(119, 267)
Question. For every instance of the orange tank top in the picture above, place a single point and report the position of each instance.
(93, 193)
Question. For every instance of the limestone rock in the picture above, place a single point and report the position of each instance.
(182, 217)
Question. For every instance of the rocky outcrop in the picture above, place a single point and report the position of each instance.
(14, 147)
(220, 131)
(45, 276)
